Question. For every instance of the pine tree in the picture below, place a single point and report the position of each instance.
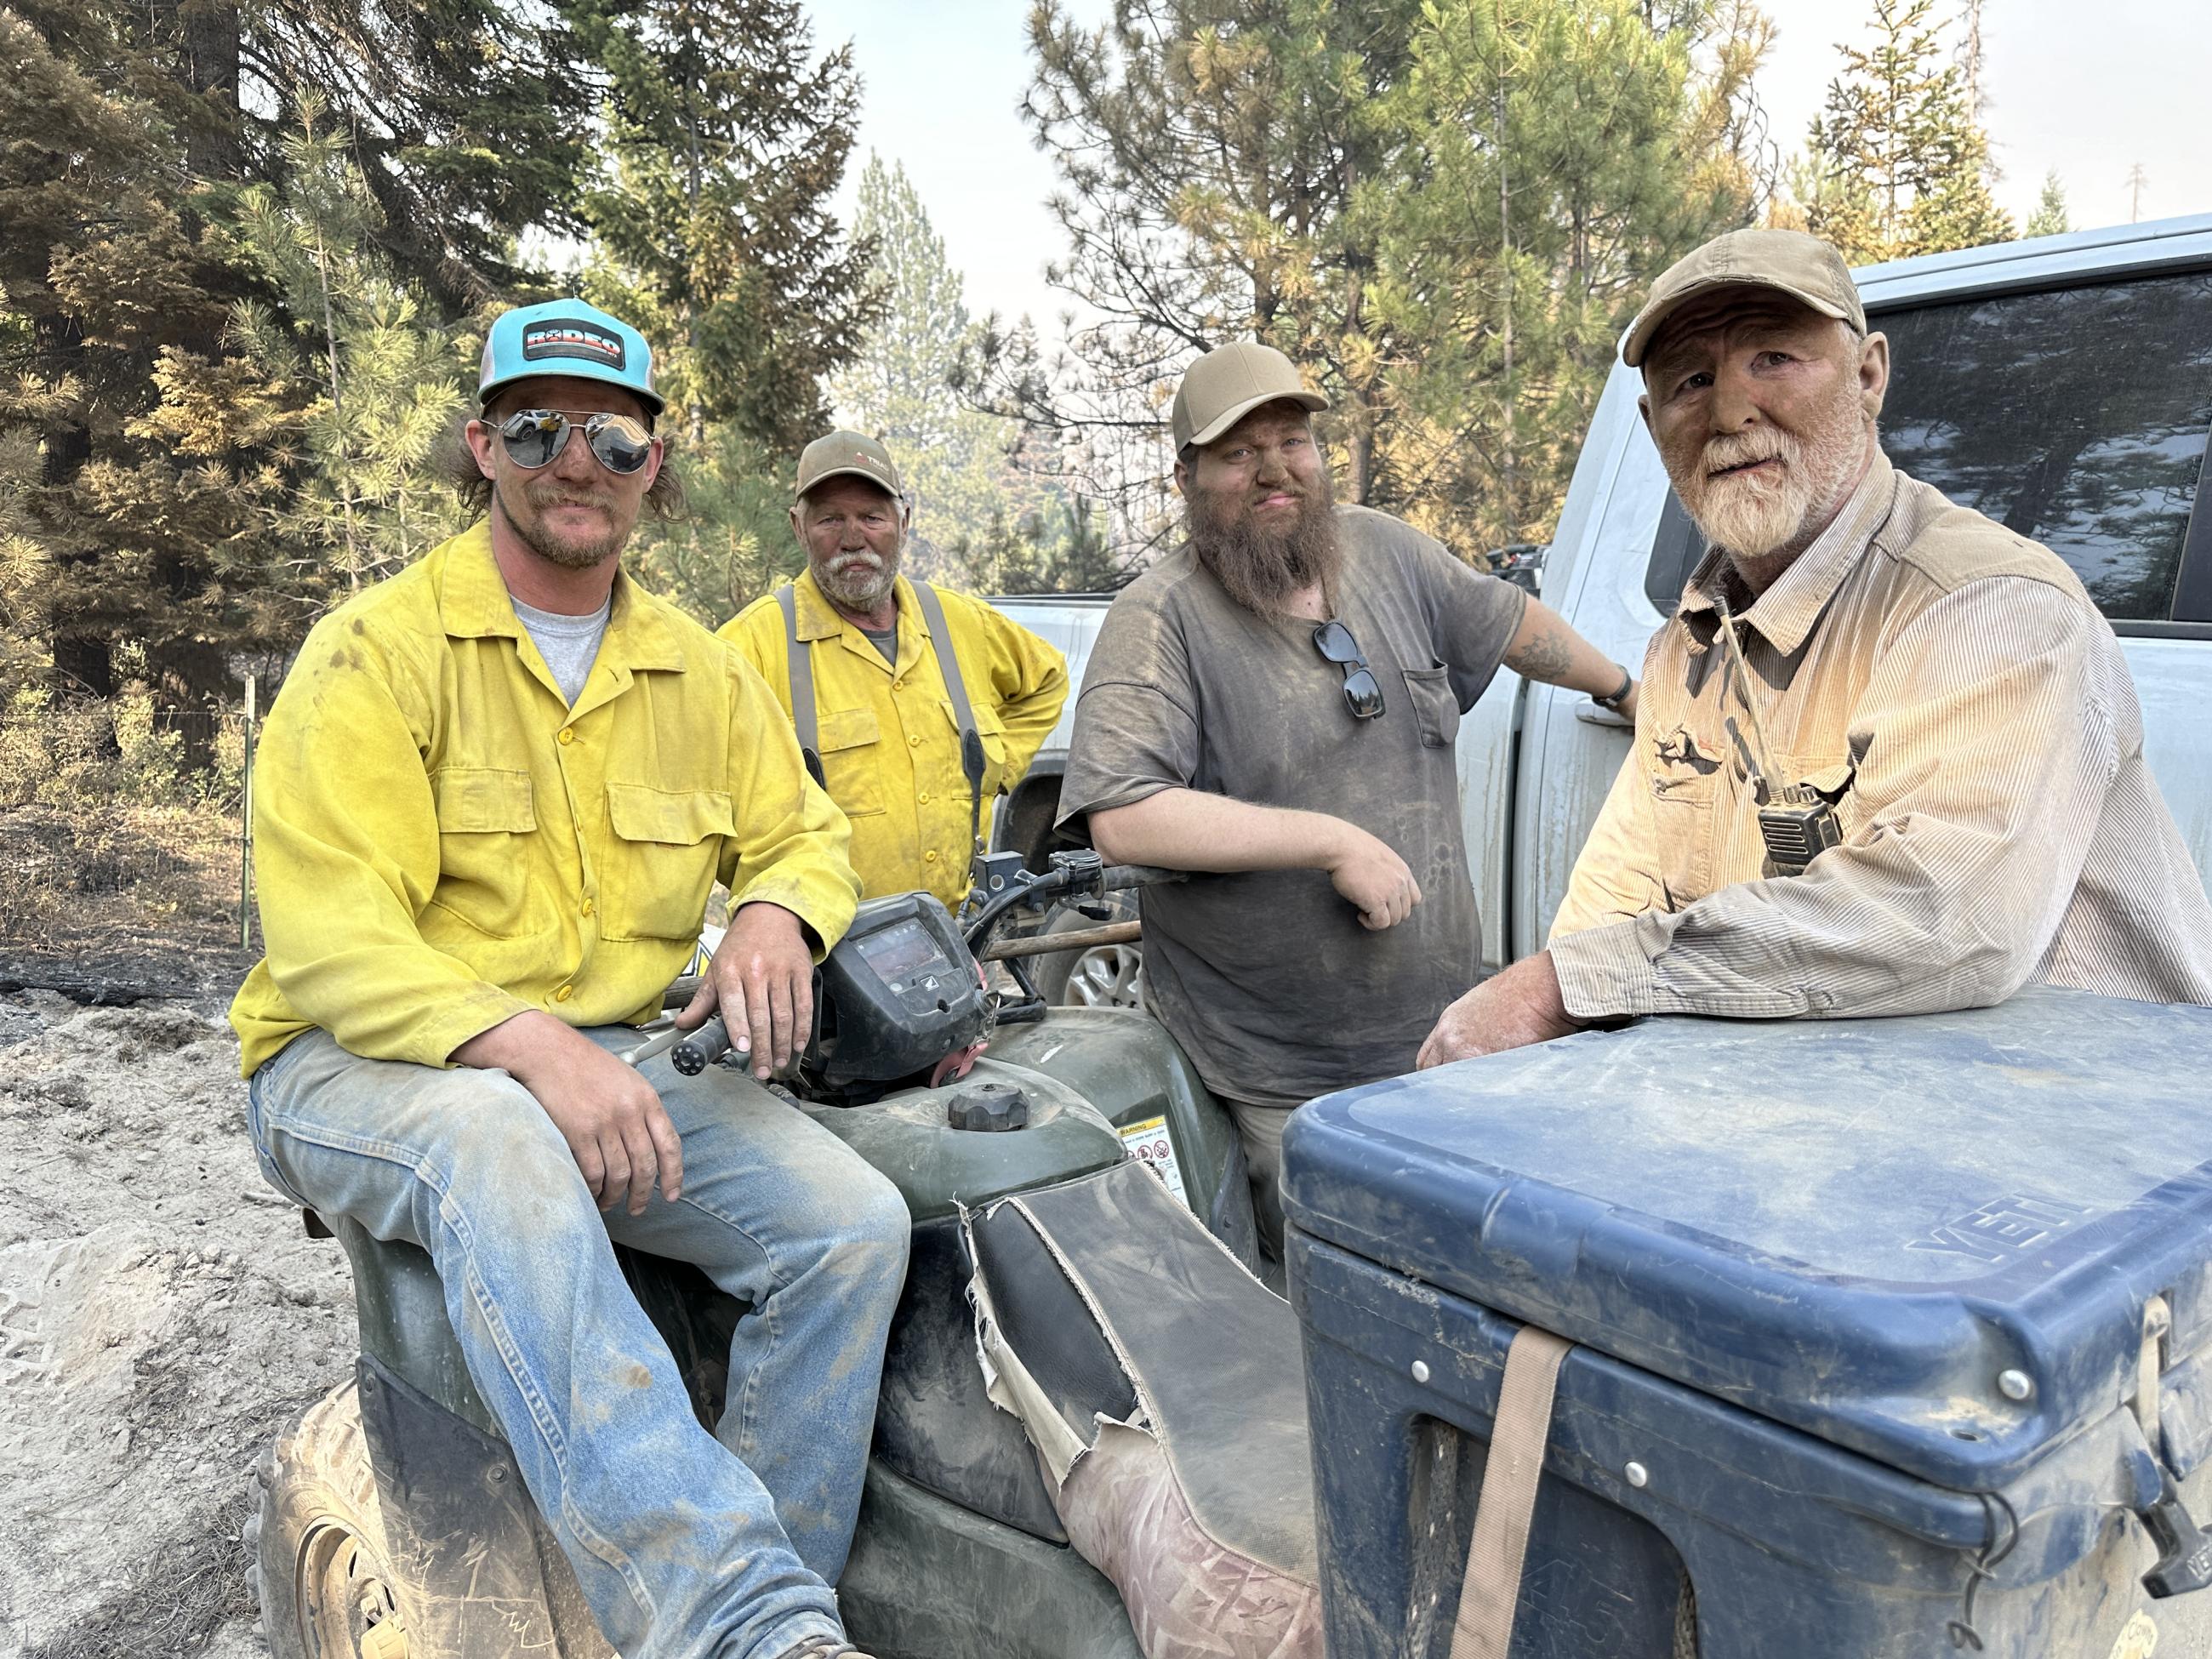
(1441, 211)
(2050, 218)
(733, 542)
(726, 142)
(1563, 151)
(386, 375)
(1899, 164)
(954, 458)
(165, 511)
(148, 445)
(1209, 153)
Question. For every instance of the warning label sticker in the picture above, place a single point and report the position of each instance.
(1148, 1144)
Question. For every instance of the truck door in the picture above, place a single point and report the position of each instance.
(1570, 749)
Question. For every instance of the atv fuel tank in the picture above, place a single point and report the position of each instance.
(909, 1137)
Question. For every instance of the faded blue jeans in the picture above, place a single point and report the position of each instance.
(684, 1548)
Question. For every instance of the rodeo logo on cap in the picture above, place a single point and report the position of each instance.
(566, 337)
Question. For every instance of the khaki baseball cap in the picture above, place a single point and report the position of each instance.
(1804, 267)
(1230, 381)
(837, 455)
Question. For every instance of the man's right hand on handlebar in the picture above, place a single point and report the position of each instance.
(612, 1118)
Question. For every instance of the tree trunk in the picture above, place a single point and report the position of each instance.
(83, 661)
(209, 41)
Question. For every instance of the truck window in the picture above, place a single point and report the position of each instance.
(2075, 416)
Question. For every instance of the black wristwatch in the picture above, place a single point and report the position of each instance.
(1627, 684)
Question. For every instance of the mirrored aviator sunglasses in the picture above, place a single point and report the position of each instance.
(1362, 693)
(534, 436)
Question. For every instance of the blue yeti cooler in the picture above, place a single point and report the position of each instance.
(1867, 1312)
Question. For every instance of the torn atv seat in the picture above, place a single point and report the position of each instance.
(1164, 1390)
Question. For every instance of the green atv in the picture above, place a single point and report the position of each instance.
(392, 1520)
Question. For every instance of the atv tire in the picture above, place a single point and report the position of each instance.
(1103, 977)
(320, 1565)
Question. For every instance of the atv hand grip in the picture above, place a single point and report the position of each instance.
(702, 1049)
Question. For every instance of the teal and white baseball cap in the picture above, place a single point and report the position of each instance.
(566, 336)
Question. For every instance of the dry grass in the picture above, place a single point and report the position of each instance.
(185, 1589)
(119, 850)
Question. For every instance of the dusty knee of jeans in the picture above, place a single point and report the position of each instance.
(501, 1140)
(879, 1226)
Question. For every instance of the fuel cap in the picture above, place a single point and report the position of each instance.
(989, 1107)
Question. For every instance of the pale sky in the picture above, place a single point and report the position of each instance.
(2090, 89)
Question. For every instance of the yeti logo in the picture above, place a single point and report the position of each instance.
(562, 338)
(2003, 1228)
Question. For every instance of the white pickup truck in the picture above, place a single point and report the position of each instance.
(2063, 386)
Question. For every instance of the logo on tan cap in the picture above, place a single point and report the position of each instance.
(847, 455)
(1807, 269)
(1230, 381)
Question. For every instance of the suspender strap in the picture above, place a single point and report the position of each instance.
(972, 760)
(799, 662)
(948, 660)
(1482, 1629)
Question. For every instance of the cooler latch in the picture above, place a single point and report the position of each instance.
(2184, 1553)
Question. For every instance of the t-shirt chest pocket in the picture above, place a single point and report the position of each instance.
(852, 760)
(484, 813)
(660, 860)
(1434, 705)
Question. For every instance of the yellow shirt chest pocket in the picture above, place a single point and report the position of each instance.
(659, 861)
(994, 733)
(852, 760)
(483, 813)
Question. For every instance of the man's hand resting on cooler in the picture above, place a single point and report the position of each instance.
(762, 981)
(1515, 1008)
(612, 1118)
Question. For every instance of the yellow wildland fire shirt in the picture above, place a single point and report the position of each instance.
(443, 841)
(890, 748)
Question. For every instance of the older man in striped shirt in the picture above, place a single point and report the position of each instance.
(1888, 757)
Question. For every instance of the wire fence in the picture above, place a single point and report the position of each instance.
(124, 830)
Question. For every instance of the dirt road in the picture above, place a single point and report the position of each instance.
(162, 1313)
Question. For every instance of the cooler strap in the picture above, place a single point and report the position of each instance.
(1483, 1628)
(799, 663)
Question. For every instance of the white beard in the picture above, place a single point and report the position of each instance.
(856, 581)
(1753, 514)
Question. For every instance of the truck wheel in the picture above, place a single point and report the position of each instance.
(320, 1566)
(1103, 977)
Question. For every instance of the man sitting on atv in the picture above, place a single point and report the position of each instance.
(1276, 702)
(491, 802)
(1889, 759)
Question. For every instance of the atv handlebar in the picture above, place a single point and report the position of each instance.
(1073, 875)
(1076, 875)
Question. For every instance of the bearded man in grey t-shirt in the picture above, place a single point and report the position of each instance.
(1275, 704)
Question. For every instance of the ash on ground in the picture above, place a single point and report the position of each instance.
(162, 1314)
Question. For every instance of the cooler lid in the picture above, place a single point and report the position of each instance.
(1860, 1228)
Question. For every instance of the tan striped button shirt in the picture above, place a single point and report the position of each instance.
(1950, 687)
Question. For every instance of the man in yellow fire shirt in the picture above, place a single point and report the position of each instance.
(887, 717)
(490, 802)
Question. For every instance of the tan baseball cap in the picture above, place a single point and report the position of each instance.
(1804, 267)
(836, 454)
(1230, 381)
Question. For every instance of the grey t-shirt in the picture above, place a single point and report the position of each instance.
(1266, 977)
(568, 644)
